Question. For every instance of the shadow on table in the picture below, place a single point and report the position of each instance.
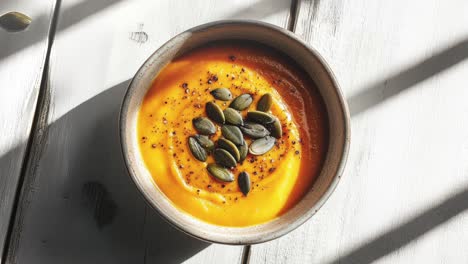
(392, 85)
(101, 160)
(99, 216)
(373, 95)
(400, 236)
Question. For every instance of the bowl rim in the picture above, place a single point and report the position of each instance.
(306, 215)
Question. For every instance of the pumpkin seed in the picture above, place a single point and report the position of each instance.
(241, 102)
(232, 133)
(243, 150)
(262, 145)
(14, 21)
(223, 158)
(254, 130)
(265, 102)
(233, 117)
(220, 173)
(244, 182)
(230, 147)
(204, 126)
(275, 128)
(214, 112)
(205, 142)
(260, 117)
(222, 94)
(197, 150)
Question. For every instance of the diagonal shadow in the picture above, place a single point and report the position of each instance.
(97, 183)
(99, 216)
(376, 93)
(74, 14)
(402, 235)
(392, 85)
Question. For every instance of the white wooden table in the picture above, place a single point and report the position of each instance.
(65, 196)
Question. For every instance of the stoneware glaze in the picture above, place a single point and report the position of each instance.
(309, 60)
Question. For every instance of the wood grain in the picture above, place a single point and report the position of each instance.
(403, 66)
(22, 57)
(78, 205)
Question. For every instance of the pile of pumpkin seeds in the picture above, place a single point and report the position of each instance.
(262, 127)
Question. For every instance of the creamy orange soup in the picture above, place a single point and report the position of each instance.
(279, 178)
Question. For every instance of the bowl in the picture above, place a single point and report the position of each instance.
(307, 58)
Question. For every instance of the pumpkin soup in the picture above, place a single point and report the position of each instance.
(233, 133)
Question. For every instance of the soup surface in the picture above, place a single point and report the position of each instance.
(279, 178)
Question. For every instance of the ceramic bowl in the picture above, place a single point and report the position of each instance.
(309, 60)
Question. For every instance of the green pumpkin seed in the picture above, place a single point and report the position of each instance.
(233, 117)
(260, 117)
(230, 147)
(232, 133)
(243, 150)
(275, 128)
(262, 145)
(265, 103)
(244, 182)
(197, 150)
(220, 173)
(14, 21)
(254, 130)
(222, 94)
(205, 142)
(241, 102)
(223, 158)
(214, 112)
(204, 126)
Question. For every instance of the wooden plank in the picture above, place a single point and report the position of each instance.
(78, 204)
(403, 67)
(22, 57)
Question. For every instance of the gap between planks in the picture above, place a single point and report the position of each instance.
(38, 120)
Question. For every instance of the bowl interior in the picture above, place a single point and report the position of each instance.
(308, 59)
